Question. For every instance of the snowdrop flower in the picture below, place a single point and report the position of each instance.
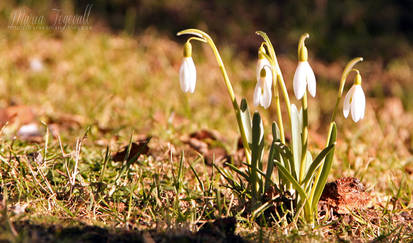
(187, 72)
(262, 61)
(355, 100)
(304, 75)
(262, 92)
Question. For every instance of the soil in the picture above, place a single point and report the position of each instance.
(344, 195)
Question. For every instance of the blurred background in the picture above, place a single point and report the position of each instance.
(371, 28)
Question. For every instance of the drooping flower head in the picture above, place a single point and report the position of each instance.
(304, 75)
(187, 72)
(262, 61)
(355, 100)
(262, 92)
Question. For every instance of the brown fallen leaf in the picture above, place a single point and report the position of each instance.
(344, 195)
(408, 168)
(137, 148)
(19, 113)
(23, 119)
(204, 134)
(205, 142)
(66, 121)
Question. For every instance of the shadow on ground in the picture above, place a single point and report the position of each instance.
(222, 230)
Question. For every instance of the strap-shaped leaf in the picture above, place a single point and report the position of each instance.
(326, 166)
(228, 177)
(308, 161)
(292, 180)
(277, 156)
(317, 162)
(260, 172)
(196, 175)
(238, 171)
(256, 151)
(296, 139)
(275, 132)
(270, 167)
(286, 155)
(246, 120)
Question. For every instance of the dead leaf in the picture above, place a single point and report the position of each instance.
(67, 121)
(138, 148)
(21, 114)
(205, 142)
(408, 168)
(204, 134)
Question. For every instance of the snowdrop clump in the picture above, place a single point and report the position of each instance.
(300, 175)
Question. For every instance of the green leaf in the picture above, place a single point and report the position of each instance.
(296, 139)
(246, 120)
(260, 172)
(317, 162)
(292, 180)
(196, 175)
(256, 151)
(229, 178)
(308, 161)
(275, 132)
(276, 155)
(286, 154)
(326, 166)
(270, 166)
(238, 171)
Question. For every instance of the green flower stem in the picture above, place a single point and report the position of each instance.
(344, 75)
(303, 56)
(304, 137)
(276, 67)
(280, 79)
(235, 105)
(277, 106)
(346, 71)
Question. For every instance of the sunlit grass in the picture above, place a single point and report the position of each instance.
(117, 86)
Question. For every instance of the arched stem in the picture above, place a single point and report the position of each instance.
(279, 77)
(346, 71)
(204, 36)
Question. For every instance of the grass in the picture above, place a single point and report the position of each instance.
(102, 91)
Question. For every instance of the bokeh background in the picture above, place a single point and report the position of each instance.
(372, 28)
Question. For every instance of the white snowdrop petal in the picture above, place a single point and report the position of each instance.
(192, 75)
(346, 106)
(260, 65)
(268, 77)
(358, 104)
(299, 81)
(257, 95)
(355, 102)
(187, 75)
(266, 96)
(182, 79)
(362, 103)
(311, 82)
